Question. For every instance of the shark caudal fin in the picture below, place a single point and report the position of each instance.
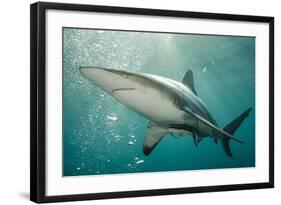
(231, 128)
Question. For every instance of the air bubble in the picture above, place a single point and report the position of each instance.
(140, 161)
(131, 143)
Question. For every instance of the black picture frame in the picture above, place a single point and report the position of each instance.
(38, 101)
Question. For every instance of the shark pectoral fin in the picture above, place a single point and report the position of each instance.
(153, 136)
(216, 130)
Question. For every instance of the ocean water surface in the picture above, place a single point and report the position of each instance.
(102, 136)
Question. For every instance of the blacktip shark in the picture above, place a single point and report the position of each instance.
(172, 107)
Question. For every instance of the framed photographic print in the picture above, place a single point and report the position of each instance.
(129, 102)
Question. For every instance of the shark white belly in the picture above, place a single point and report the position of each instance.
(132, 91)
(152, 105)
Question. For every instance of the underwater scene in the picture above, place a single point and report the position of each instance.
(149, 102)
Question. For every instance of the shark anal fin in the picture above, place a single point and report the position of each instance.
(226, 147)
(188, 81)
(199, 139)
(215, 140)
(195, 140)
(153, 136)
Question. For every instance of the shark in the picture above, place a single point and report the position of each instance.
(171, 107)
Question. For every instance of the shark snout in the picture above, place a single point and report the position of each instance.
(94, 74)
(87, 71)
(82, 69)
(106, 79)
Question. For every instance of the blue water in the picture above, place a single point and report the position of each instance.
(102, 136)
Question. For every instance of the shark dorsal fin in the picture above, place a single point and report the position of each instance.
(188, 81)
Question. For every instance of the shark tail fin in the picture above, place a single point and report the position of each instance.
(231, 128)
